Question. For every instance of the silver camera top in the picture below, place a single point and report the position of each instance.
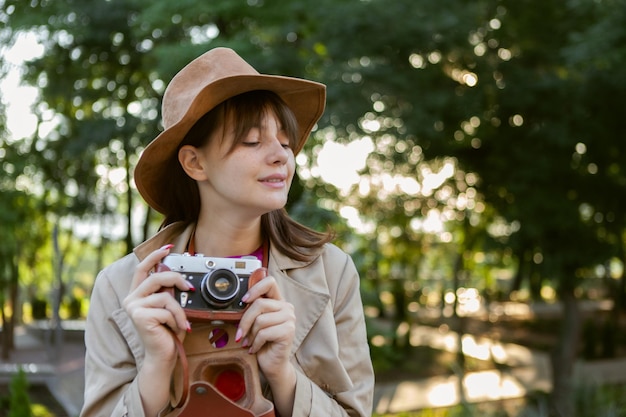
(200, 263)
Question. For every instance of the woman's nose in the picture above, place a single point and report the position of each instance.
(279, 152)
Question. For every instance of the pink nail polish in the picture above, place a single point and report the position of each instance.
(191, 287)
(168, 246)
(238, 335)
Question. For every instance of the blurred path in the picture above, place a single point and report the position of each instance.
(529, 371)
(525, 371)
(519, 370)
(64, 376)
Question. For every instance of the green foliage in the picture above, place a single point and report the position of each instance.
(447, 82)
(19, 402)
(513, 52)
(40, 410)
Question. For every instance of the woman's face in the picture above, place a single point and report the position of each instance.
(252, 178)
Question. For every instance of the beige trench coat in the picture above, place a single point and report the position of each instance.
(330, 351)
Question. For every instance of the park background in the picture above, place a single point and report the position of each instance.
(471, 159)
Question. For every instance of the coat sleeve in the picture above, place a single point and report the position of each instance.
(313, 400)
(110, 362)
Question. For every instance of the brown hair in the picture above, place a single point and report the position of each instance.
(288, 236)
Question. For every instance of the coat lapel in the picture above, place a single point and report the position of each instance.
(298, 285)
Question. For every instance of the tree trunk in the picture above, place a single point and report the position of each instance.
(518, 278)
(564, 357)
(57, 295)
(6, 331)
(620, 296)
(129, 197)
(8, 322)
(535, 282)
(14, 291)
(146, 224)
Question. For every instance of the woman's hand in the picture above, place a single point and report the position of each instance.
(268, 328)
(156, 314)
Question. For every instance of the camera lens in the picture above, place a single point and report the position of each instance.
(220, 287)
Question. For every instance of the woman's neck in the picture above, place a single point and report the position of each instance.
(219, 238)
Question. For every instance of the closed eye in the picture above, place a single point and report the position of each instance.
(284, 139)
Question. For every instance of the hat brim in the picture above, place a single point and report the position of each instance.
(305, 98)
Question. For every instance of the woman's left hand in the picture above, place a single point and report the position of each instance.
(268, 327)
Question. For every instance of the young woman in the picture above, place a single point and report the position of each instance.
(220, 173)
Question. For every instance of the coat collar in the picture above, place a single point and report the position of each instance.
(177, 234)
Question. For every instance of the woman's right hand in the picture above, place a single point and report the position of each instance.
(155, 313)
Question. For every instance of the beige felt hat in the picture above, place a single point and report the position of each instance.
(204, 83)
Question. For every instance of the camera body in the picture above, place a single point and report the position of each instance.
(220, 284)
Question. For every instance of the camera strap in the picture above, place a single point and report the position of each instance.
(185, 371)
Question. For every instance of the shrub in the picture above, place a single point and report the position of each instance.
(19, 403)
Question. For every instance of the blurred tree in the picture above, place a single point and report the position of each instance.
(100, 78)
(96, 96)
(23, 231)
(488, 84)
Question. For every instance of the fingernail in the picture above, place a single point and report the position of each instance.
(245, 297)
(168, 246)
(191, 287)
(238, 335)
(245, 342)
(188, 327)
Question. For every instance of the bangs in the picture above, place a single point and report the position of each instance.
(248, 110)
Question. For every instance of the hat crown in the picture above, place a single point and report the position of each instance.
(207, 69)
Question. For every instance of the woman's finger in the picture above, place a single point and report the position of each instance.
(157, 281)
(159, 308)
(265, 288)
(265, 313)
(147, 265)
(273, 329)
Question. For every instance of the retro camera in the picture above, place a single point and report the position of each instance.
(220, 282)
